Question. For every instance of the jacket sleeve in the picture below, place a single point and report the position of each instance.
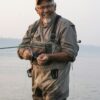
(26, 39)
(69, 40)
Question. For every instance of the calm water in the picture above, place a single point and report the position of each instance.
(15, 85)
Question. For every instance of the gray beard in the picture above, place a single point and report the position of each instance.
(46, 21)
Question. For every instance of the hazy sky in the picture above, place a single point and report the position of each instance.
(17, 15)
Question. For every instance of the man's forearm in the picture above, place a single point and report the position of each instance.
(62, 56)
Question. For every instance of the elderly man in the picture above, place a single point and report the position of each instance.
(51, 59)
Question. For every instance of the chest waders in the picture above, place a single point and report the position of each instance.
(54, 72)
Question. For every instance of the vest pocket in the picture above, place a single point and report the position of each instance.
(54, 73)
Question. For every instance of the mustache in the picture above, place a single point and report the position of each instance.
(46, 14)
(43, 14)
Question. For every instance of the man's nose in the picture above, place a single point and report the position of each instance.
(45, 9)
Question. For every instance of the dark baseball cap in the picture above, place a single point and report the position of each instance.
(38, 2)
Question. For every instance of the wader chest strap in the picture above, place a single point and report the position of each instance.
(53, 32)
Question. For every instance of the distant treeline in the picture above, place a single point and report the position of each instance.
(85, 50)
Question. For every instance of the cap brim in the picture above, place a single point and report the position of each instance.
(45, 4)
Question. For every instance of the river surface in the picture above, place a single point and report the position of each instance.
(15, 85)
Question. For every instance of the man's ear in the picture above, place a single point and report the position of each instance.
(36, 9)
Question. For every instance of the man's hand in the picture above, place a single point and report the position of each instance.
(42, 59)
(25, 53)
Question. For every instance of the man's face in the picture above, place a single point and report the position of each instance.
(45, 10)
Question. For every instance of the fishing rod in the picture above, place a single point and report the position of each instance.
(11, 47)
(23, 46)
(79, 41)
(39, 45)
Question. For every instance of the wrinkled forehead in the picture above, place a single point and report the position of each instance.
(44, 2)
